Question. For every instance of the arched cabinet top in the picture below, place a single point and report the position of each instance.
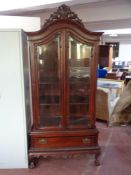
(63, 19)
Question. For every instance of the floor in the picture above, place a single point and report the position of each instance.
(115, 158)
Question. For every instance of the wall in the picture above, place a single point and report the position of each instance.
(25, 23)
(124, 47)
(97, 16)
(13, 140)
(125, 52)
(13, 96)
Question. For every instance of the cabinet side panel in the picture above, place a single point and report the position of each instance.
(27, 80)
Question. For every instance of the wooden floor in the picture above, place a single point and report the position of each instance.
(115, 158)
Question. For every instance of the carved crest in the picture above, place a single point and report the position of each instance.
(63, 13)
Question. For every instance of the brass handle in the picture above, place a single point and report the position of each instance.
(86, 140)
(42, 141)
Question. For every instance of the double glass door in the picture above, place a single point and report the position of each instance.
(74, 93)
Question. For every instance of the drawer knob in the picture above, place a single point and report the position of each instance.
(42, 141)
(86, 140)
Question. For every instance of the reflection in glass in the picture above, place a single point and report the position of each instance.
(79, 59)
(49, 83)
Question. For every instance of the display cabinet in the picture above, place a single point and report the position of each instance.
(105, 56)
(63, 57)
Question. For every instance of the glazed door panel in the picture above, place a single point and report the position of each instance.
(49, 85)
(79, 75)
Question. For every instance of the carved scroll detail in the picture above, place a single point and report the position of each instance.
(63, 13)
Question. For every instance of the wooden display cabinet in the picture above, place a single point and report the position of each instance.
(105, 56)
(63, 57)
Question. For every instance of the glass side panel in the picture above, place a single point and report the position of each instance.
(49, 83)
(79, 59)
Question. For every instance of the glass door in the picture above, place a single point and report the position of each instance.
(79, 75)
(49, 86)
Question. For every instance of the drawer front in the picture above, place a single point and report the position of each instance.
(59, 142)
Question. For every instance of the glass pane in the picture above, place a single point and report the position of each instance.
(49, 83)
(79, 59)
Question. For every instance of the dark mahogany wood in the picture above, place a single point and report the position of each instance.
(63, 104)
(105, 56)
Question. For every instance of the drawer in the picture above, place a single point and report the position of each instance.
(59, 142)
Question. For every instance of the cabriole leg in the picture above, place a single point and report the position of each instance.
(97, 161)
(33, 162)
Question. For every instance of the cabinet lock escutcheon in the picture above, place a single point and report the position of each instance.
(86, 140)
(43, 141)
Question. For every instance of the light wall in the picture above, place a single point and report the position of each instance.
(124, 47)
(13, 142)
(13, 97)
(125, 52)
(105, 15)
(17, 22)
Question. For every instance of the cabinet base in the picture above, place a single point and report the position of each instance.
(35, 155)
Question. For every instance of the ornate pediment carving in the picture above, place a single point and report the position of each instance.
(63, 13)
